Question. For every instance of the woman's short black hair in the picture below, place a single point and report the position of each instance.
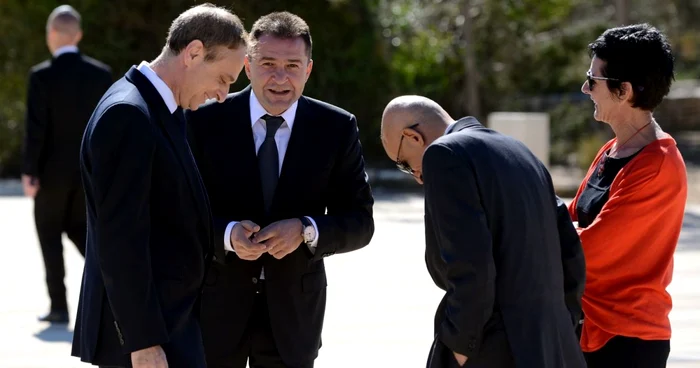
(638, 54)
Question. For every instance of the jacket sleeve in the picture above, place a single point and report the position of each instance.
(573, 262)
(348, 224)
(36, 126)
(463, 237)
(121, 149)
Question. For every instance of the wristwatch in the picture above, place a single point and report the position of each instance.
(308, 232)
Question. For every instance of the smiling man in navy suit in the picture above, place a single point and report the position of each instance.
(149, 224)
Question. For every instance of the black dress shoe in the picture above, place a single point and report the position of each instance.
(55, 316)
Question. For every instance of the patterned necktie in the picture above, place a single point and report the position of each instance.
(268, 159)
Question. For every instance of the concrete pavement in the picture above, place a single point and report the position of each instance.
(380, 299)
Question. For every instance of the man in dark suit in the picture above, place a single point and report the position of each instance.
(508, 259)
(149, 224)
(62, 94)
(286, 178)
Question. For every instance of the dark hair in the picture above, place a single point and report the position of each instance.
(638, 54)
(64, 19)
(283, 25)
(212, 25)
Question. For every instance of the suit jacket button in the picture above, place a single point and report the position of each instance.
(471, 346)
(255, 280)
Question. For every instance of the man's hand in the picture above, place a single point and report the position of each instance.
(30, 185)
(241, 244)
(461, 359)
(153, 357)
(281, 237)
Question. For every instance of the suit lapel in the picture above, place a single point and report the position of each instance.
(302, 136)
(241, 151)
(175, 134)
(174, 131)
(243, 127)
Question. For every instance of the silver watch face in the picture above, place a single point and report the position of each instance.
(309, 234)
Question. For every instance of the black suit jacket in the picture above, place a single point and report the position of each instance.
(494, 245)
(149, 231)
(323, 170)
(62, 93)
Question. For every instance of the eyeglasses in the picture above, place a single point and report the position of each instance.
(403, 166)
(590, 78)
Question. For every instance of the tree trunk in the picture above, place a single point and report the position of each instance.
(622, 12)
(471, 85)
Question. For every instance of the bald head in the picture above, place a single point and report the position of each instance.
(409, 124)
(63, 28)
(65, 20)
(405, 111)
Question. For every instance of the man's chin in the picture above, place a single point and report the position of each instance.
(278, 107)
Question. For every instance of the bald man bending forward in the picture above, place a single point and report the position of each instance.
(497, 241)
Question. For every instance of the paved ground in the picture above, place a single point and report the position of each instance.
(380, 299)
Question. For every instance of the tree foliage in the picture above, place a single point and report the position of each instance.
(529, 54)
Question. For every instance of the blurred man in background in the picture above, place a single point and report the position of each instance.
(62, 94)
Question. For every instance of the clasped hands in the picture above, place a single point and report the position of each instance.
(278, 239)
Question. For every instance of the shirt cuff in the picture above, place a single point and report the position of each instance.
(227, 236)
(314, 243)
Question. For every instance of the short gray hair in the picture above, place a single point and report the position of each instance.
(213, 26)
(64, 19)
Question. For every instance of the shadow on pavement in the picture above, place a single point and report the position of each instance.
(55, 333)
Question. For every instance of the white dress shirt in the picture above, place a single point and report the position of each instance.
(257, 111)
(64, 50)
(161, 87)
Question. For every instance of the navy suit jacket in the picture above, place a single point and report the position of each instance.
(502, 246)
(149, 231)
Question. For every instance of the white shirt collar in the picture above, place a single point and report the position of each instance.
(257, 111)
(161, 87)
(64, 50)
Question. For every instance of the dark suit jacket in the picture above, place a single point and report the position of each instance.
(323, 169)
(62, 94)
(149, 231)
(494, 245)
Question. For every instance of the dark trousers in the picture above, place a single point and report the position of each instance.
(58, 210)
(257, 346)
(624, 352)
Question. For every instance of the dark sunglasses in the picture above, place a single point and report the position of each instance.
(403, 166)
(590, 78)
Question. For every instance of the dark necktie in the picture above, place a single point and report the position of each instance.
(268, 159)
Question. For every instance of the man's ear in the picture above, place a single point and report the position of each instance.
(193, 51)
(413, 136)
(246, 64)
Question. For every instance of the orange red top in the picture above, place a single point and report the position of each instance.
(629, 247)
